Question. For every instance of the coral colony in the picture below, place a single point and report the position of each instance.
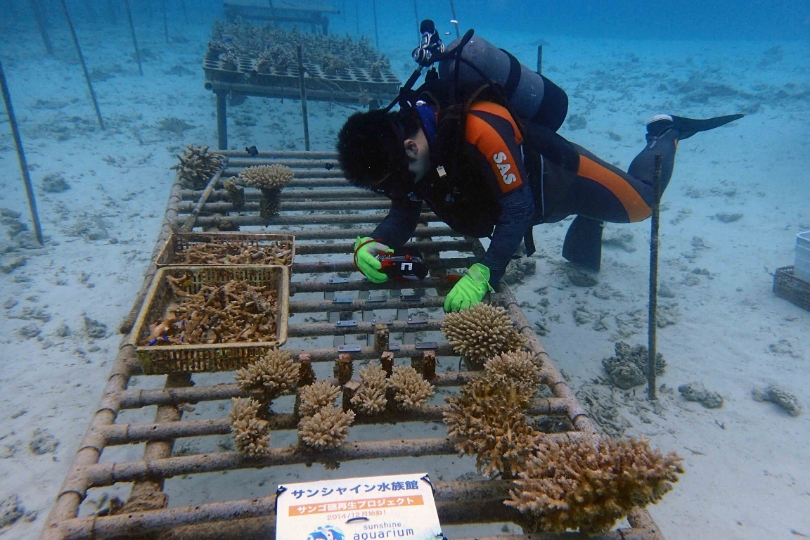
(559, 483)
(270, 179)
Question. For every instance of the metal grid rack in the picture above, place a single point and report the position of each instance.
(333, 312)
(354, 84)
(311, 12)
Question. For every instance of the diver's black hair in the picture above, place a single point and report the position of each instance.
(370, 145)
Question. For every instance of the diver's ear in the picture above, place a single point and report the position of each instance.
(411, 149)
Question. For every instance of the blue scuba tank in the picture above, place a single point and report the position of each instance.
(530, 94)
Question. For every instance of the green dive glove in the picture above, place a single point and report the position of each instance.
(469, 290)
(365, 258)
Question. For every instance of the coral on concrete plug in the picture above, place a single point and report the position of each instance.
(251, 434)
(411, 391)
(274, 374)
(370, 397)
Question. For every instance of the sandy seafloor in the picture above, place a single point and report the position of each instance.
(746, 463)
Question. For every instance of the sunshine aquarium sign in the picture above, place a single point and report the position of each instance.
(397, 506)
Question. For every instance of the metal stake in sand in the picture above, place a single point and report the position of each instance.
(84, 66)
(357, 15)
(376, 33)
(43, 29)
(416, 17)
(303, 91)
(455, 19)
(539, 59)
(134, 39)
(651, 318)
(29, 190)
(165, 20)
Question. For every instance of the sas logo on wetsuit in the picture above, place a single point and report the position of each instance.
(499, 160)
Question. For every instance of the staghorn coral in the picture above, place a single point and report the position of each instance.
(275, 374)
(197, 166)
(481, 332)
(266, 176)
(370, 397)
(316, 396)
(251, 434)
(519, 366)
(326, 428)
(411, 391)
(486, 418)
(579, 485)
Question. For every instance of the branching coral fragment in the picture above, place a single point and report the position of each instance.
(576, 485)
(251, 434)
(519, 366)
(481, 332)
(316, 396)
(326, 428)
(275, 374)
(486, 418)
(370, 397)
(411, 391)
(197, 166)
(266, 176)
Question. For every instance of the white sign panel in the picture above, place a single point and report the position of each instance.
(396, 506)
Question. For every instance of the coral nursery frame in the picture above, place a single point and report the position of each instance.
(333, 311)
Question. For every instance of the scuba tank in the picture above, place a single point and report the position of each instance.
(529, 94)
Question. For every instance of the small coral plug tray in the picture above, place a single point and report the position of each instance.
(159, 359)
(788, 286)
(352, 79)
(278, 249)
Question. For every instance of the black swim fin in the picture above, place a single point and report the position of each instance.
(583, 243)
(687, 127)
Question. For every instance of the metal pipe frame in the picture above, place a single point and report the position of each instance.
(344, 300)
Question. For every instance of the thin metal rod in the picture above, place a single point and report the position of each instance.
(539, 59)
(15, 131)
(652, 317)
(165, 20)
(43, 29)
(453, 11)
(357, 15)
(302, 88)
(416, 18)
(222, 120)
(376, 32)
(185, 12)
(134, 39)
(84, 65)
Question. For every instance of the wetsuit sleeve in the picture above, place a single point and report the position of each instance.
(495, 140)
(399, 224)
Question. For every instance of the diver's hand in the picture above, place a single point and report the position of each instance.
(469, 290)
(365, 258)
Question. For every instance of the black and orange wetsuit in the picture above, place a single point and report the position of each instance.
(507, 184)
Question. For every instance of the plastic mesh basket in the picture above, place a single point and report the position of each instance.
(791, 288)
(158, 359)
(178, 243)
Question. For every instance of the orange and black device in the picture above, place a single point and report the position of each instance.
(404, 264)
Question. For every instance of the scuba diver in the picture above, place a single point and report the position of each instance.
(477, 143)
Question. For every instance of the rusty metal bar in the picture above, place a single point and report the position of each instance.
(118, 434)
(348, 266)
(359, 285)
(136, 399)
(446, 494)
(303, 206)
(289, 194)
(281, 155)
(424, 247)
(188, 224)
(305, 219)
